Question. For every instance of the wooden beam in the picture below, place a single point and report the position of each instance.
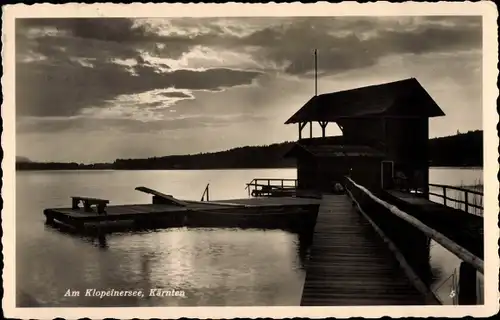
(310, 129)
(301, 126)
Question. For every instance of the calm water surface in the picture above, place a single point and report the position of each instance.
(213, 266)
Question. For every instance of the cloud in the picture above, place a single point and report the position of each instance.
(105, 29)
(66, 65)
(350, 43)
(343, 42)
(45, 89)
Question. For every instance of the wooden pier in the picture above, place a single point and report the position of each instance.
(368, 250)
(350, 264)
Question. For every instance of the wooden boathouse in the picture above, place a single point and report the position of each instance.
(385, 130)
(371, 245)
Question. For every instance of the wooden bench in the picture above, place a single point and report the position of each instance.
(88, 203)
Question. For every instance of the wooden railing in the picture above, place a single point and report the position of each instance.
(205, 193)
(403, 231)
(269, 186)
(463, 198)
(458, 197)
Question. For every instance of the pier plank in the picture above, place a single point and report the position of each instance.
(350, 264)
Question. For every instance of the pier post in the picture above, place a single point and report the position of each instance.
(444, 195)
(466, 200)
(467, 285)
(49, 217)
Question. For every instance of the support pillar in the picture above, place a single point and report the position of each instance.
(467, 285)
(323, 125)
(301, 126)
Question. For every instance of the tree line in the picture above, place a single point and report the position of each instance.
(462, 149)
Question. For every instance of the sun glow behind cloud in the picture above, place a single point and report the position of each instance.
(146, 106)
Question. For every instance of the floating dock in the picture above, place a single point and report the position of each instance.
(167, 211)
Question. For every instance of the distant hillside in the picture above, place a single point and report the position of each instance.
(61, 166)
(270, 156)
(465, 149)
(22, 159)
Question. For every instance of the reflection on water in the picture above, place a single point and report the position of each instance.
(446, 266)
(212, 266)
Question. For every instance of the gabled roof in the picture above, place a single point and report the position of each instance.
(333, 151)
(405, 98)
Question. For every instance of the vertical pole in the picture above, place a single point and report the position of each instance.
(454, 288)
(300, 131)
(323, 128)
(466, 202)
(310, 129)
(444, 195)
(315, 72)
(467, 281)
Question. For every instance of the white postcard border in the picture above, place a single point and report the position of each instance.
(490, 119)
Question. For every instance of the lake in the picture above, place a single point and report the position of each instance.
(214, 267)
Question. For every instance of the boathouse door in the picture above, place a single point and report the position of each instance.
(387, 174)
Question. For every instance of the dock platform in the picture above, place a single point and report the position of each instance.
(252, 212)
(350, 264)
(465, 229)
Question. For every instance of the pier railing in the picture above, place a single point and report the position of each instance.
(468, 200)
(409, 238)
(463, 198)
(271, 187)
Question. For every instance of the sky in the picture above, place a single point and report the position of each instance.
(98, 89)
